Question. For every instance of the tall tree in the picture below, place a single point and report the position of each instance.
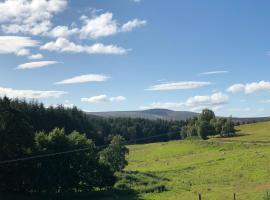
(114, 155)
(207, 115)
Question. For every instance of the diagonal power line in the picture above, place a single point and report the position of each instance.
(72, 151)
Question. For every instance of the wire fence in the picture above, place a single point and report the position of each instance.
(234, 196)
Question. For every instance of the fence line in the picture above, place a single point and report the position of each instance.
(266, 197)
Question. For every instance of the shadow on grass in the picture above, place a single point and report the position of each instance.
(129, 186)
(233, 136)
(98, 195)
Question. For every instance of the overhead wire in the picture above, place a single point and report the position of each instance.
(72, 151)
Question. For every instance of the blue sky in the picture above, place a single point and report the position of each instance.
(103, 55)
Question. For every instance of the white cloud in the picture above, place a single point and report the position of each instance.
(118, 98)
(39, 64)
(99, 26)
(84, 79)
(35, 56)
(29, 16)
(196, 103)
(163, 105)
(16, 45)
(62, 31)
(214, 72)
(236, 88)
(64, 45)
(214, 99)
(104, 25)
(95, 27)
(250, 87)
(135, 23)
(103, 98)
(23, 52)
(34, 17)
(179, 85)
(33, 94)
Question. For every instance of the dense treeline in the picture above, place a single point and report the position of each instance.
(55, 161)
(96, 128)
(207, 124)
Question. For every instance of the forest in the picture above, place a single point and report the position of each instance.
(39, 146)
(67, 141)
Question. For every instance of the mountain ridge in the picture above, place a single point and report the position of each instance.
(164, 114)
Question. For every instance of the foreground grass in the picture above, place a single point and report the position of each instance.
(217, 170)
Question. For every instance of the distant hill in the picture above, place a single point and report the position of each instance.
(164, 114)
(151, 114)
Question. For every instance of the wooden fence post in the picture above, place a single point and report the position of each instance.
(200, 197)
(234, 196)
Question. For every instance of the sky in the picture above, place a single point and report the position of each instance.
(108, 55)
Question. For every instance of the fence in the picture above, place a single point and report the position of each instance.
(234, 196)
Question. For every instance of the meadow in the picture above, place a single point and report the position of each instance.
(214, 168)
(253, 133)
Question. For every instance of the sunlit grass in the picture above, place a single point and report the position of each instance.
(215, 169)
(257, 132)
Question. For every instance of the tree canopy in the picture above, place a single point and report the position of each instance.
(207, 124)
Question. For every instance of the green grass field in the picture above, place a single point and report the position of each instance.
(182, 169)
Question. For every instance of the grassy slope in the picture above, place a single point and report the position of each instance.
(215, 169)
(258, 132)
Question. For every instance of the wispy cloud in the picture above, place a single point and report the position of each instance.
(35, 56)
(84, 79)
(215, 101)
(214, 72)
(103, 98)
(16, 45)
(39, 64)
(182, 85)
(32, 94)
(64, 45)
(135, 23)
(249, 88)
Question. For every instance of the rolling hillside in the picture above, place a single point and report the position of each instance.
(251, 133)
(164, 114)
(148, 114)
(182, 169)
